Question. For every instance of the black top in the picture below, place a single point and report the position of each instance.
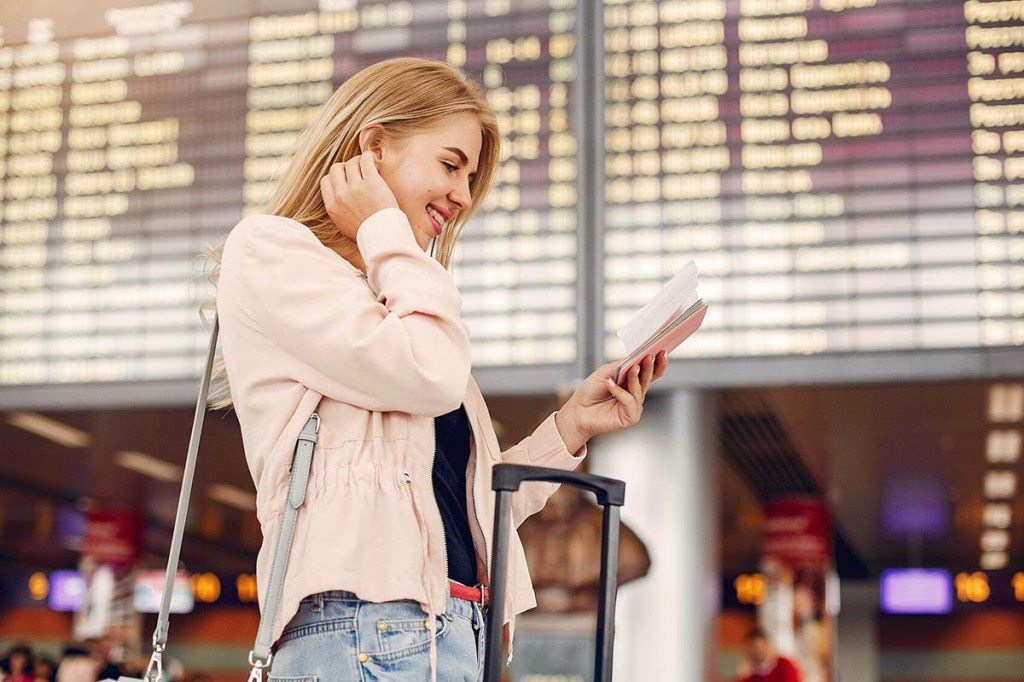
(449, 475)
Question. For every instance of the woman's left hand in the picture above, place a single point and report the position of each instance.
(601, 406)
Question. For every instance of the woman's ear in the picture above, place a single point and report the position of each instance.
(371, 138)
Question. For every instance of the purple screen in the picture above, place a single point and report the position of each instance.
(67, 590)
(916, 590)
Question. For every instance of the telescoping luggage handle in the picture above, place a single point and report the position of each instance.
(610, 495)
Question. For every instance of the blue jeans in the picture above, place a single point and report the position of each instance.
(336, 637)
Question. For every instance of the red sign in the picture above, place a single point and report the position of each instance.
(797, 532)
(113, 537)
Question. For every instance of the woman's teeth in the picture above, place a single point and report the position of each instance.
(436, 216)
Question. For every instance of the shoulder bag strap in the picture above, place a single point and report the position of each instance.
(260, 656)
(155, 669)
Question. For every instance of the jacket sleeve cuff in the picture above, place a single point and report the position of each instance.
(385, 229)
(546, 448)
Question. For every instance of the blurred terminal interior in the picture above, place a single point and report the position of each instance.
(905, 470)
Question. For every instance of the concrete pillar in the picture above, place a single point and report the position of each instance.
(856, 638)
(665, 627)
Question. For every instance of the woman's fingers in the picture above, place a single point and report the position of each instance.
(633, 383)
(619, 393)
(339, 180)
(352, 170)
(662, 364)
(353, 190)
(327, 191)
(367, 166)
(647, 373)
(625, 396)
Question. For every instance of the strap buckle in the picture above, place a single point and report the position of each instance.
(256, 674)
(305, 435)
(155, 661)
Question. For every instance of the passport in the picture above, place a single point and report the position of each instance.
(666, 321)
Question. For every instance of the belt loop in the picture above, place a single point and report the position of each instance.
(318, 602)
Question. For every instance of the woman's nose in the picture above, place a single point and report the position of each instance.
(462, 196)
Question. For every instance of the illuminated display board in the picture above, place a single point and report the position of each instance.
(847, 174)
(129, 147)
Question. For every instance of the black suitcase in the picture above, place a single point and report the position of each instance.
(610, 494)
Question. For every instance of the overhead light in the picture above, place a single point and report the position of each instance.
(995, 541)
(1000, 485)
(993, 561)
(1003, 446)
(997, 515)
(232, 496)
(147, 465)
(1005, 403)
(51, 429)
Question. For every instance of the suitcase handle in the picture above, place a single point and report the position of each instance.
(609, 491)
(610, 494)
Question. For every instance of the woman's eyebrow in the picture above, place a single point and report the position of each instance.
(461, 154)
(463, 159)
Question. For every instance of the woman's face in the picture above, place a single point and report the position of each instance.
(429, 174)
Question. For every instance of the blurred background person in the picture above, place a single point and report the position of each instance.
(763, 664)
(44, 670)
(78, 665)
(101, 652)
(17, 664)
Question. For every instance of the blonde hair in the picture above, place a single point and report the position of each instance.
(405, 96)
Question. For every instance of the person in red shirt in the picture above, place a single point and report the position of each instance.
(763, 664)
(17, 665)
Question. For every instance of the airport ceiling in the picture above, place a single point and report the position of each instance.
(865, 449)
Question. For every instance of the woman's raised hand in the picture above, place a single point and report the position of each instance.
(599, 405)
(353, 191)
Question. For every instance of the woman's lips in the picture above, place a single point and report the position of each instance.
(437, 226)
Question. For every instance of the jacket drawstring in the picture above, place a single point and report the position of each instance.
(378, 453)
(510, 607)
(421, 522)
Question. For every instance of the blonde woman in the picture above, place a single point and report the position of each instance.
(329, 302)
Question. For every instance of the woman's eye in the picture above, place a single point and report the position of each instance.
(451, 168)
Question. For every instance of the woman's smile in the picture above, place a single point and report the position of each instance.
(438, 218)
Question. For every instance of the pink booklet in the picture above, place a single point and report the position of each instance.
(666, 339)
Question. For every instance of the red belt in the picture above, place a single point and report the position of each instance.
(479, 593)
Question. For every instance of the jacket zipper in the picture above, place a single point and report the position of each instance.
(487, 555)
(444, 537)
(476, 508)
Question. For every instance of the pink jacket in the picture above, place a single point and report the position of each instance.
(378, 358)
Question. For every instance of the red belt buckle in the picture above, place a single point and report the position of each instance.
(478, 594)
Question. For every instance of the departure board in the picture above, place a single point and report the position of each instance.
(846, 174)
(136, 135)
